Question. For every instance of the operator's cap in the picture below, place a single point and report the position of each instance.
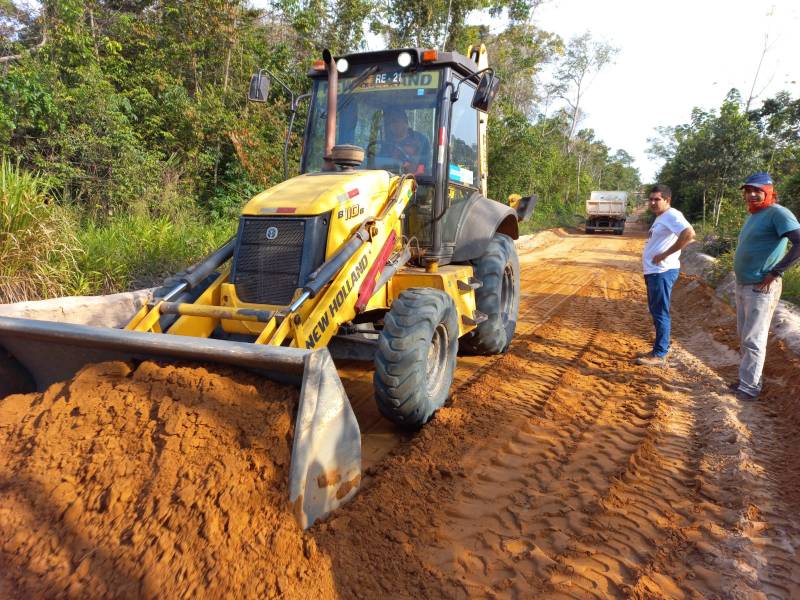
(759, 180)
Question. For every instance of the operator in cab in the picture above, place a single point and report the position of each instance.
(411, 148)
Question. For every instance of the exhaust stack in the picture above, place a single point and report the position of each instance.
(330, 123)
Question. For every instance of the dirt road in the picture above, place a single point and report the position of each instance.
(562, 470)
(558, 470)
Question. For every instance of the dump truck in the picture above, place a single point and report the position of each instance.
(606, 211)
(384, 247)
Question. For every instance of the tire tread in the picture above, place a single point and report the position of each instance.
(402, 354)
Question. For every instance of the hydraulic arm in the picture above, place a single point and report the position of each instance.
(332, 295)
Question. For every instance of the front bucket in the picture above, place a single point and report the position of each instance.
(326, 452)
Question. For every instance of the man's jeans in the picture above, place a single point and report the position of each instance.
(659, 292)
(754, 312)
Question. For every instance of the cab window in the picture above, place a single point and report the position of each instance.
(464, 166)
(390, 114)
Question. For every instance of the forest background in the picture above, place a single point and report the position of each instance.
(128, 146)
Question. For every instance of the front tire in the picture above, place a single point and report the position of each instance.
(497, 298)
(416, 356)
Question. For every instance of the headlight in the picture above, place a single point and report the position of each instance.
(342, 65)
(404, 59)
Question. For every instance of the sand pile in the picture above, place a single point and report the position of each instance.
(158, 481)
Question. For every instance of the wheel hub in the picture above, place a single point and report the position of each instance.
(437, 359)
(506, 293)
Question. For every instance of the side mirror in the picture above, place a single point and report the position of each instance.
(259, 87)
(487, 90)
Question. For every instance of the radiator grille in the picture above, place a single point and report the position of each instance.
(268, 260)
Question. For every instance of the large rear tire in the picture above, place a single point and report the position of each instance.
(416, 356)
(497, 298)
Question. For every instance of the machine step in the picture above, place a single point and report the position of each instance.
(473, 283)
(477, 317)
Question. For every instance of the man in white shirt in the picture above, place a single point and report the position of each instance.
(669, 233)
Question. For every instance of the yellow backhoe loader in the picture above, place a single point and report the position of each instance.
(384, 246)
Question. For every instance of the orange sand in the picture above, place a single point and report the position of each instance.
(159, 482)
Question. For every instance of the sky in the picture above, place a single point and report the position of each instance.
(674, 56)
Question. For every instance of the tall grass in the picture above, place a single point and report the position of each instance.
(48, 250)
(38, 249)
(135, 251)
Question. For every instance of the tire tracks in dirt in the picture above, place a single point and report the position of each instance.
(563, 470)
(749, 533)
(576, 521)
(533, 312)
(483, 521)
(743, 538)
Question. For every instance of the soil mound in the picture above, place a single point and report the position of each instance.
(154, 481)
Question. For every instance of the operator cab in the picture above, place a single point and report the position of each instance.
(395, 104)
(391, 115)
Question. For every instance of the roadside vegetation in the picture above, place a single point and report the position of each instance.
(707, 159)
(128, 146)
(135, 251)
(38, 251)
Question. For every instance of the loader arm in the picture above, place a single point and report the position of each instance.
(317, 319)
(327, 300)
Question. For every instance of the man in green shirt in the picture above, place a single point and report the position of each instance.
(759, 264)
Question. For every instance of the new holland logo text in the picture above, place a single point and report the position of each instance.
(337, 302)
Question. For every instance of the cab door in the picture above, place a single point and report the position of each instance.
(463, 168)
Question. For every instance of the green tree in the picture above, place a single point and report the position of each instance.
(779, 121)
(518, 56)
(708, 158)
(443, 23)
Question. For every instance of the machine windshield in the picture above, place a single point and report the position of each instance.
(390, 114)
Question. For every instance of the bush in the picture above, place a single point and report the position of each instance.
(227, 199)
(550, 213)
(791, 285)
(38, 251)
(722, 267)
(716, 245)
(99, 161)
